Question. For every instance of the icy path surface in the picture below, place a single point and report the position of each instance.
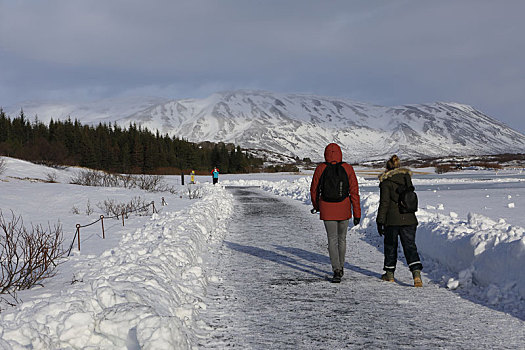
(272, 293)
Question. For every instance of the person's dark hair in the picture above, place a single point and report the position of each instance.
(393, 162)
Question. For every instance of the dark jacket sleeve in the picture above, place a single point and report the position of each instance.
(384, 202)
(409, 180)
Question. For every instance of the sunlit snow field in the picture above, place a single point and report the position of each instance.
(471, 237)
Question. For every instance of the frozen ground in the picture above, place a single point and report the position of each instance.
(480, 255)
(178, 279)
(271, 292)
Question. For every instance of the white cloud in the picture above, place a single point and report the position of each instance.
(382, 51)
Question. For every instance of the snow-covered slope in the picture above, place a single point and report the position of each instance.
(302, 125)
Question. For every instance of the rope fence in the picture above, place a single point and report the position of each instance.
(101, 220)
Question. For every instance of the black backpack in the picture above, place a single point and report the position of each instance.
(407, 201)
(333, 185)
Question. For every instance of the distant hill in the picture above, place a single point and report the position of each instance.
(302, 125)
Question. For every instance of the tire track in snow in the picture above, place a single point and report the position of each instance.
(271, 292)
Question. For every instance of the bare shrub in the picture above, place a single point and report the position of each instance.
(110, 207)
(110, 180)
(194, 192)
(138, 205)
(150, 183)
(89, 208)
(27, 256)
(75, 210)
(3, 165)
(127, 181)
(86, 178)
(51, 177)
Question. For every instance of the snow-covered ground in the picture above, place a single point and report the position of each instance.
(471, 232)
(271, 291)
(141, 287)
(145, 285)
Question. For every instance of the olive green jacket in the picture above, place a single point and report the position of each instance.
(388, 212)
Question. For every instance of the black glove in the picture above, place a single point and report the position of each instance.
(381, 229)
(357, 221)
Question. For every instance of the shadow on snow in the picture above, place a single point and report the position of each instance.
(298, 259)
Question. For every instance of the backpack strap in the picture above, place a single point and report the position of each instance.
(318, 194)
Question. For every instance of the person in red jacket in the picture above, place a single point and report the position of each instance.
(336, 214)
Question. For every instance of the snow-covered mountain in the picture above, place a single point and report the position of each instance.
(302, 125)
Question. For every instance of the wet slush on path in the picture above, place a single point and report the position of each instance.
(271, 291)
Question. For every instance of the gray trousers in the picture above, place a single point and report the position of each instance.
(336, 232)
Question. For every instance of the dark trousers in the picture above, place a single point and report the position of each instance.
(215, 180)
(407, 234)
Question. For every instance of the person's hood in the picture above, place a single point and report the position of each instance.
(397, 175)
(332, 153)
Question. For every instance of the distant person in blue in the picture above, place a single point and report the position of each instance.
(215, 175)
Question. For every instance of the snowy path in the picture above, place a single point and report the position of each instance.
(271, 292)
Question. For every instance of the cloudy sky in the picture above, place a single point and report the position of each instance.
(386, 52)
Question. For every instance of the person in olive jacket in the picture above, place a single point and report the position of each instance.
(336, 214)
(392, 224)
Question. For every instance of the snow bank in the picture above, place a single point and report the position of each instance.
(298, 189)
(482, 251)
(146, 293)
(485, 257)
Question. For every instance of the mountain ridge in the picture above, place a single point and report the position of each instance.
(300, 125)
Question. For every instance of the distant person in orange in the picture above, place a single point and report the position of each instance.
(215, 175)
(335, 194)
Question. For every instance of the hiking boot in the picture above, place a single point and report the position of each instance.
(388, 276)
(417, 278)
(337, 276)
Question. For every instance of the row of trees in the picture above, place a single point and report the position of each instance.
(115, 149)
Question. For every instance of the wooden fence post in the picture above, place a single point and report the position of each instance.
(78, 236)
(102, 221)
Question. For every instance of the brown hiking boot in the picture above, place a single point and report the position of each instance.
(417, 278)
(388, 276)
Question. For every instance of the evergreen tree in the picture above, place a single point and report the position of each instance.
(112, 148)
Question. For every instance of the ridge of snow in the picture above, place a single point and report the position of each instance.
(145, 293)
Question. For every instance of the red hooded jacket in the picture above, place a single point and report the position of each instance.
(340, 210)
